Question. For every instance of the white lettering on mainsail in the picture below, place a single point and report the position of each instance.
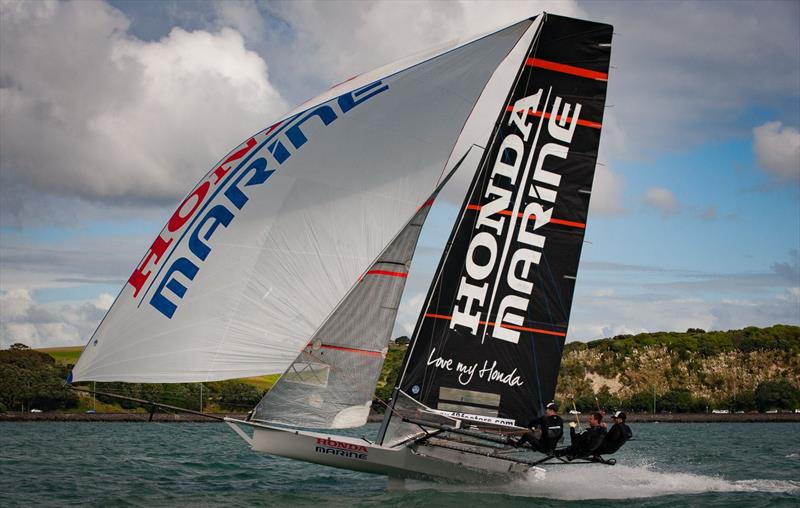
(466, 372)
(440, 362)
(504, 172)
(503, 219)
(490, 373)
(468, 315)
(465, 369)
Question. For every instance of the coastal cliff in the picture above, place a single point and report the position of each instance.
(693, 371)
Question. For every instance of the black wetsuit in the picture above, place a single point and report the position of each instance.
(585, 443)
(616, 437)
(552, 428)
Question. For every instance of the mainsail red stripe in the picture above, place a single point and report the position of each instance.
(562, 222)
(566, 69)
(387, 273)
(579, 225)
(584, 123)
(504, 325)
(366, 352)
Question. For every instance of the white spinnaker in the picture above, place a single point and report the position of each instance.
(284, 247)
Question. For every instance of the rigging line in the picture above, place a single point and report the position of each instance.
(511, 49)
(437, 276)
(147, 402)
(536, 373)
(483, 176)
(475, 181)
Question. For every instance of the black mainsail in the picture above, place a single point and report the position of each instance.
(487, 346)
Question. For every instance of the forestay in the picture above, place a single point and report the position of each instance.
(267, 244)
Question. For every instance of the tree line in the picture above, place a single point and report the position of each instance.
(31, 379)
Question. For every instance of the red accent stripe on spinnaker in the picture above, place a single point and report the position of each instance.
(562, 222)
(566, 69)
(503, 325)
(365, 352)
(584, 123)
(387, 273)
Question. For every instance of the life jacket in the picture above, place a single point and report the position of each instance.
(553, 431)
(555, 427)
(616, 437)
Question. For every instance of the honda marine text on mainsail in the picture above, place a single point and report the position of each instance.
(291, 255)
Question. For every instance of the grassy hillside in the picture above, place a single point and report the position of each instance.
(35, 379)
(69, 355)
(688, 371)
(63, 355)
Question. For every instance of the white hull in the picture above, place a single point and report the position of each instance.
(411, 462)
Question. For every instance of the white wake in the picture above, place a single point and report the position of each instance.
(596, 481)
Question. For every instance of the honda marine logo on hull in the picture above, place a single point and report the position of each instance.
(505, 247)
(328, 446)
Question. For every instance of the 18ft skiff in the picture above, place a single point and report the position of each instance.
(291, 255)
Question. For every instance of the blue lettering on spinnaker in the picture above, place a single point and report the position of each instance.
(176, 279)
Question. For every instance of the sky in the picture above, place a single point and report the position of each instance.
(111, 111)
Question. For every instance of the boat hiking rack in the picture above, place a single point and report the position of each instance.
(439, 438)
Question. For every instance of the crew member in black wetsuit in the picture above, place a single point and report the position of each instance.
(616, 437)
(585, 443)
(551, 428)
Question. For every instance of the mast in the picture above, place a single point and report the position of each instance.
(488, 343)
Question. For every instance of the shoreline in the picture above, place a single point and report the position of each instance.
(54, 416)
(12, 416)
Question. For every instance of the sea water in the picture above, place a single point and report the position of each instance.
(206, 464)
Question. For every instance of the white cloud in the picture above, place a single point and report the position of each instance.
(78, 260)
(596, 318)
(89, 111)
(777, 149)
(23, 319)
(408, 313)
(607, 192)
(661, 199)
(656, 299)
(103, 301)
(687, 78)
(332, 41)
